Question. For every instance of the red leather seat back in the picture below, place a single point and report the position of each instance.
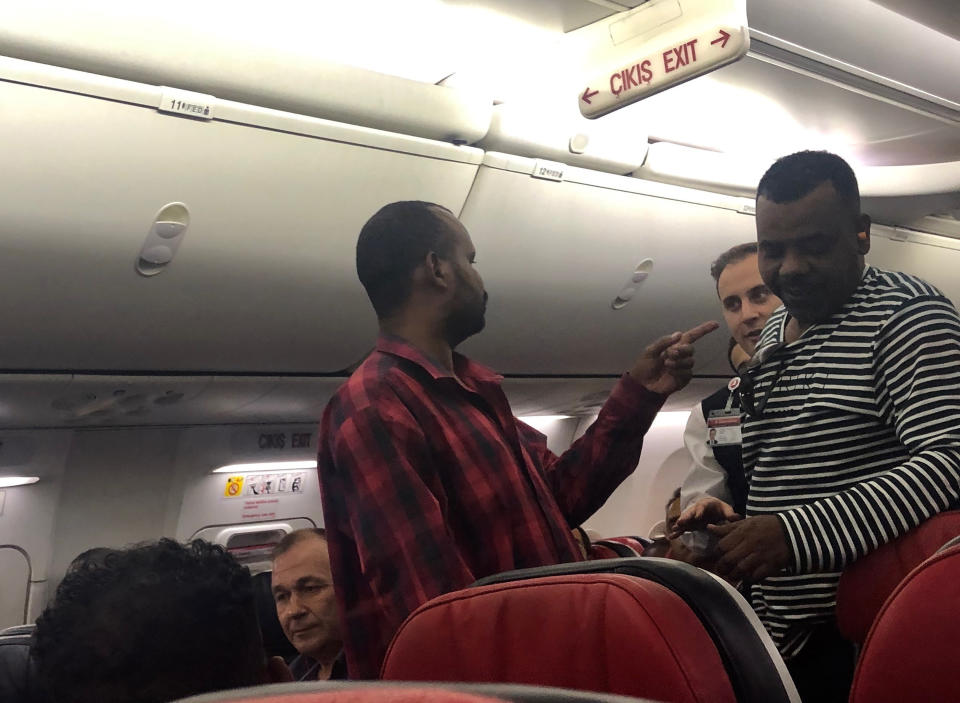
(867, 583)
(615, 548)
(595, 632)
(913, 650)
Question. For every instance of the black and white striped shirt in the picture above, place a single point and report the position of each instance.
(859, 440)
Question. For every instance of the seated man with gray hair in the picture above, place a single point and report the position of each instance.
(306, 607)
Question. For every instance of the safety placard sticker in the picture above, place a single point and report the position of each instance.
(266, 484)
(234, 487)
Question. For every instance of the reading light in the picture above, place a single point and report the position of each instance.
(265, 466)
(11, 481)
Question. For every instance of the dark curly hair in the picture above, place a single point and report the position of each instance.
(149, 624)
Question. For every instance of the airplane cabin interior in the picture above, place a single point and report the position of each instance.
(185, 182)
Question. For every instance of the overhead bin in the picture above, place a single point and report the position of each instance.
(231, 69)
(557, 245)
(264, 278)
(890, 194)
(615, 144)
(934, 258)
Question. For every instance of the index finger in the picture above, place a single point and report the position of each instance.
(699, 331)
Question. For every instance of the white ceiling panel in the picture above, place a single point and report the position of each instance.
(941, 15)
(868, 35)
(551, 15)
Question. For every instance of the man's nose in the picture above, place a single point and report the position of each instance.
(749, 311)
(297, 608)
(793, 264)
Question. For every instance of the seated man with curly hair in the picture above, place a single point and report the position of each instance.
(152, 623)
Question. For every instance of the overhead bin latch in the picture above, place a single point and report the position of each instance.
(639, 275)
(163, 239)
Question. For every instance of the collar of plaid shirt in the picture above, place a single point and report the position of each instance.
(464, 367)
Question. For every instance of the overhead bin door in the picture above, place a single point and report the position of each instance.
(264, 280)
(554, 254)
(934, 258)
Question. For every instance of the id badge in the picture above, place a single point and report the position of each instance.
(723, 428)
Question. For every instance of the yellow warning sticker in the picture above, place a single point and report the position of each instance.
(234, 487)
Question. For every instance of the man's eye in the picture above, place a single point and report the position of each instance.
(820, 245)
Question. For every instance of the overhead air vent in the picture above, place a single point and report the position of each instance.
(109, 405)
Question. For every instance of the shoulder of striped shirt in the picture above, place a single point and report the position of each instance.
(898, 283)
(771, 328)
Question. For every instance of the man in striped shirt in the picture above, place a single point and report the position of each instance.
(428, 481)
(852, 430)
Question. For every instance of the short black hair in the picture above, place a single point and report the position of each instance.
(797, 175)
(295, 537)
(731, 256)
(153, 623)
(392, 244)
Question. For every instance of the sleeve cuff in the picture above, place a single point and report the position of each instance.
(790, 521)
(630, 393)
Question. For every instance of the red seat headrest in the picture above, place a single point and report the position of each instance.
(595, 632)
(867, 583)
(616, 547)
(913, 649)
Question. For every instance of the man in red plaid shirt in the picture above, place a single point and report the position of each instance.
(428, 480)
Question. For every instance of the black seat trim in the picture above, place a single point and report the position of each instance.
(18, 630)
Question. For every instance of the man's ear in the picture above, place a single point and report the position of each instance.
(278, 671)
(438, 270)
(863, 234)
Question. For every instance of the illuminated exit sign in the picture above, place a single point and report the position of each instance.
(665, 43)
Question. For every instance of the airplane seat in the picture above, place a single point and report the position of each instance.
(402, 692)
(613, 547)
(18, 630)
(867, 583)
(275, 643)
(17, 678)
(689, 636)
(952, 543)
(913, 648)
(574, 625)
